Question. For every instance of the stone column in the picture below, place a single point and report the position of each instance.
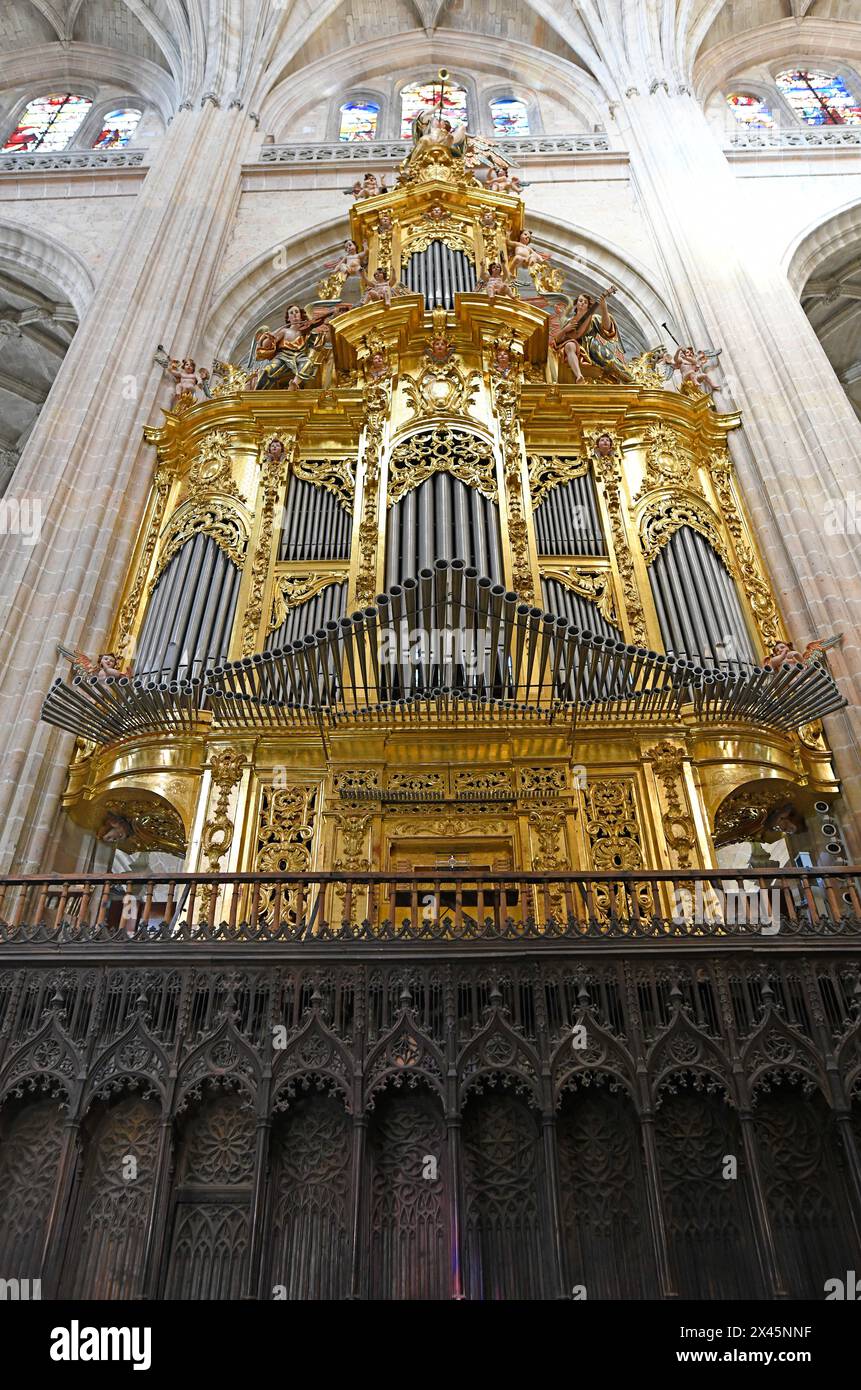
(85, 460)
(800, 448)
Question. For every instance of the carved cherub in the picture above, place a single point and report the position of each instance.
(380, 289)
(784, 654)
(188, 380)
(493, 282)
(692, 365)
(351, 262)
(506, 356)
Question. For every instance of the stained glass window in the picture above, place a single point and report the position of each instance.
(420, 96)
(49, 123)
(358, 120)
(509, 116)
(819, 98)
(750, 111)
(118, 127)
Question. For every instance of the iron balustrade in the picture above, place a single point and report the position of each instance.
(441, 905)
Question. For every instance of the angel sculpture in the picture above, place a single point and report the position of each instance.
(380, 289)
(105, 666)
(290, 355)
(493, 282)
(352, 262)
(187, 378)
(692, 365)
(784, 654)
(591, 336)
(524, 256)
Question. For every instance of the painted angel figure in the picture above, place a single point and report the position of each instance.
(784, 654)
(289, 357)
(352, 262)
(380, 289)
(524, 255)
(188, 379)
(591, 336)
(493, 282)
(106, 664)
(692, 364)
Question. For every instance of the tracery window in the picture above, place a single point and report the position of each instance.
(49, 123)
(818, 97)
(358, 121)
(118, 127)
(509, 116)
(750, 111)
(420, 96)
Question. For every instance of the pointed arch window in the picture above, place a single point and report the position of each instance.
(750, 111)
(818, 97)
(358, 121)
(49, 123)
(510, 116)
(424, 96)
(118, 127)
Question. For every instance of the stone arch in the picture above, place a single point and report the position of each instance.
(27, 249)
(773, 47)
(370, 65)
(23, 71)
(824, 269)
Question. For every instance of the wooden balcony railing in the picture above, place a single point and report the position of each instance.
(437, 906)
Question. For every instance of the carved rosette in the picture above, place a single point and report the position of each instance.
(128, 612)
(755, 586)
(273, 475)
(668, 760)
(608, 473)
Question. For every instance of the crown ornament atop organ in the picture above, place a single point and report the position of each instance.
(442, 514)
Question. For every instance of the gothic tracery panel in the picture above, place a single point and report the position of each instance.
(311, 1151)
(408, 1256)
(602, 1197)
(107, 1252)
(30, 1143)
(504, 1248)
(209, 1242)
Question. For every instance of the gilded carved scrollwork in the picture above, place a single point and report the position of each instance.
(608, 473)
(551, 852)
(506, 399)
(594, 585)
(437, 224)
(128, 612)
(668, 761)
(543, 781)
(155, 825)
(336, 475)
(756, 588)
(669, 463)
(443, 449)
(293, 589)
(377, 401)
(227, 767)
(615, 841)
(547, 471)
(273, 473)
(664, 516)
(216, 518)
(212, 469)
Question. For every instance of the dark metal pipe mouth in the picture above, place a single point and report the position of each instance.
(471, 572)
(523, 610)
(370, 614)
(440, 564)
(458, 564)
(425, 574)
(410, 584)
